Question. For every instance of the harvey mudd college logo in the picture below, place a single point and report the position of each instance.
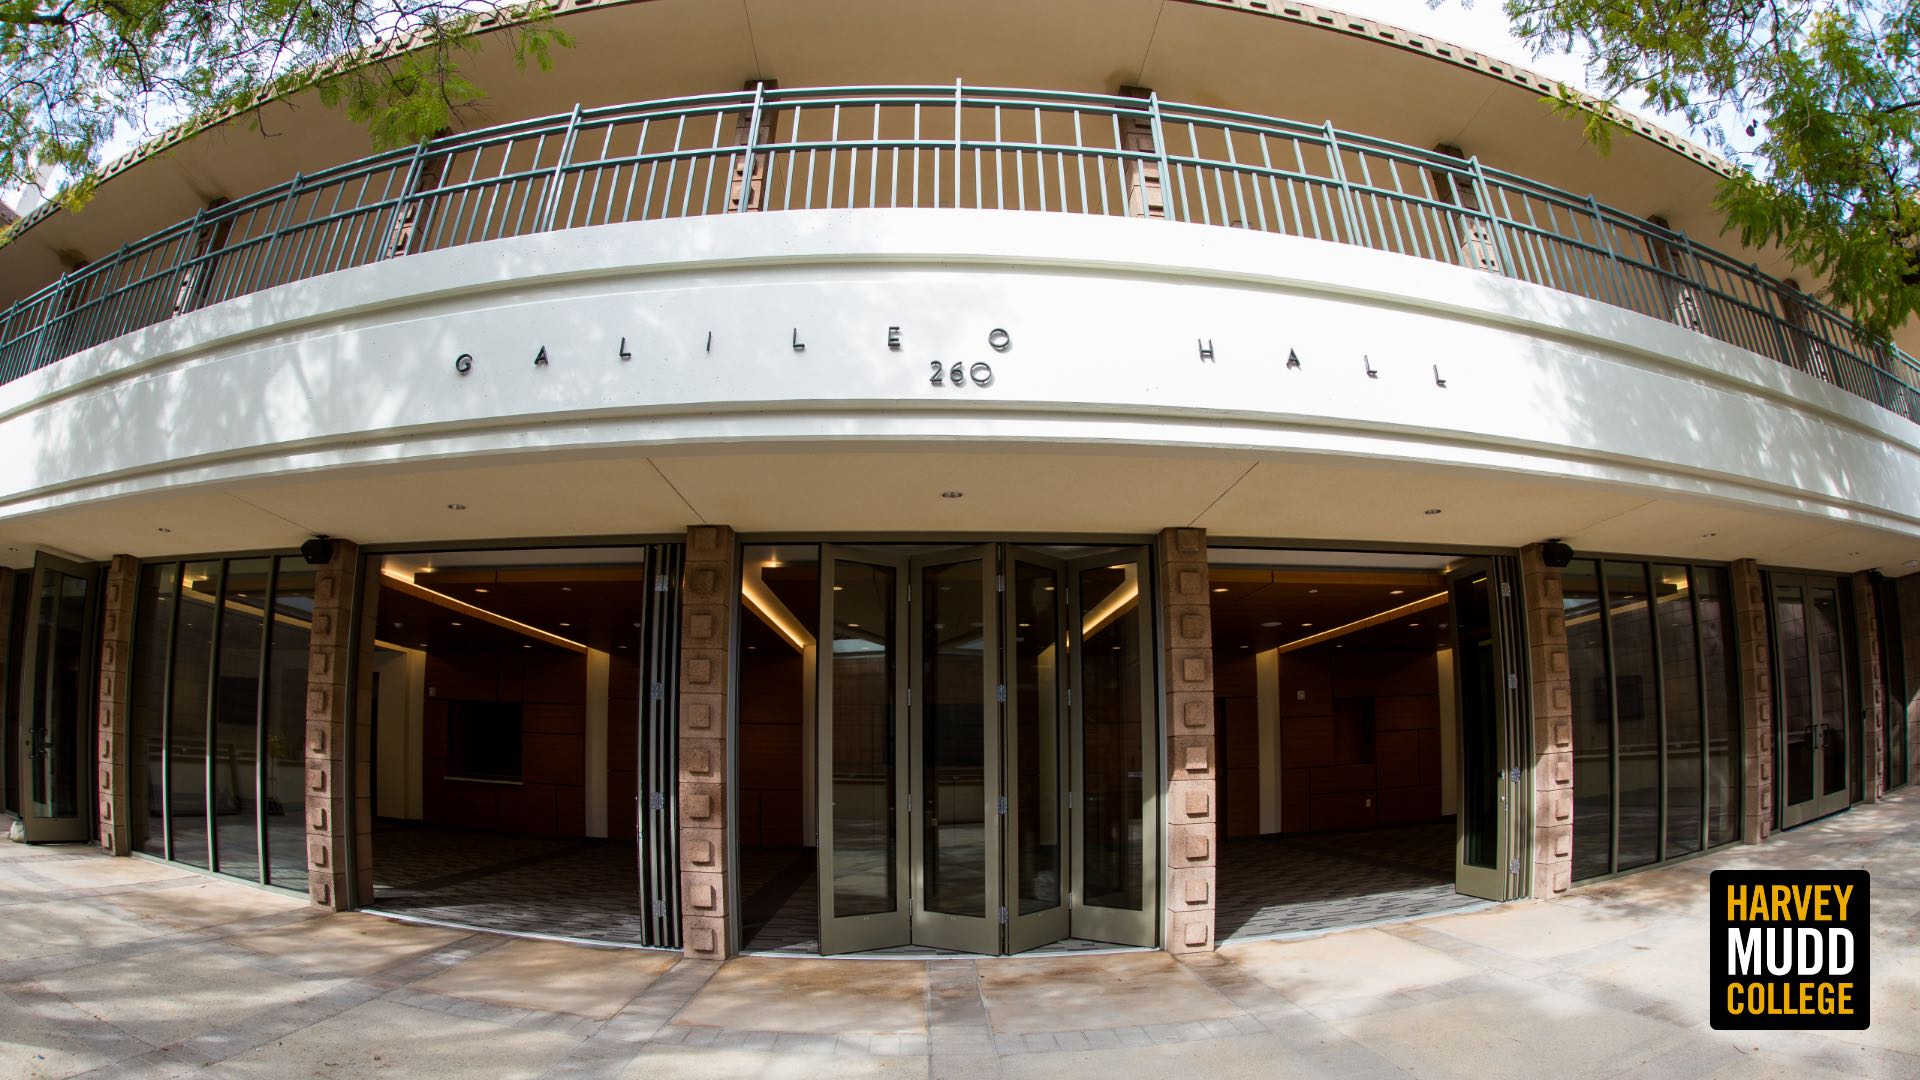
(1790, 949)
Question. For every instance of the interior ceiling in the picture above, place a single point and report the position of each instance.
(1013, 490)
(595, 606)
(1307, 602)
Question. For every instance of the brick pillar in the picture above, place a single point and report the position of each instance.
(706, 616)
(1756, 700)
(1146, 195)
(330, 701)
(1873, 747)
(1552, 725)
(752, 175)
(116, 685)
(1192, 788)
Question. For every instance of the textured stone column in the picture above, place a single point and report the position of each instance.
(706, 616)
(330, 700)
(1552, 725)
(1873, 750)
(122, 588)
(1186, 629)
(1146, 194)
(1756, 700)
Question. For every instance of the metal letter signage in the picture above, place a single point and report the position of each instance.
(1206, 350)
(893, 338)
(463, 363)
(541, 359)
(798, 345)
(624, 354)
(999, 340)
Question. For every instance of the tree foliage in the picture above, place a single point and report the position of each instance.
(1818, 100)
(77, 75)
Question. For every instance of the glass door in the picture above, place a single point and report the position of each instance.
(57, 693)
(1114, 804)
(1490, 787)
(1033, 632)
(863, 802)
(1811, 656)
(954, 713)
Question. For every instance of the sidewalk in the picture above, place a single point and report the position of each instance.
(124, 967)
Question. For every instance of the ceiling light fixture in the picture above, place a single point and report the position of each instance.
(1430, 513)
(1222, 588)
(163, 528)
(456, 506)
(1270, 625)
(477, 588)
(454, 624)
(1396, 592)
(952, 494)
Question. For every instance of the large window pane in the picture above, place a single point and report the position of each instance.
(1113, 827)
(1592, 720)
(1680, 683)
(1723, 707)
(236, 728)
(952, 638)
(286, 723)
(864, 728)
(146, 733)
(1796, 692)
(187, 744)
(1636, 714)
(1036, 657)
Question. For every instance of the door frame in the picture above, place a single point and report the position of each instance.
(1820, 804)
(885, 929)
(1052, 924)
(79, 827)
(1506, 879)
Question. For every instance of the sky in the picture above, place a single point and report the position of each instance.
(1479, 25)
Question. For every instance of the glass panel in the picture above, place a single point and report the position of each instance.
(1894, 677)
(1680, 681)
(1637, 715)
(1036, 735)
(236, 719)
(1113, 774)
(61, 709)
(864, 654)
(953, 653)
(1833, 691)
(286, 722)
(1796, 693)
(192, 664)
(153, 624)
(1479, 752)
(1716, 661)
(1592, 720)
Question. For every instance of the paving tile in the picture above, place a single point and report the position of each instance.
(813, 997)
(205, 903)
(385, 1039)
(1026, 995)
(682, 1063)
(1353, 964)
(349, 943)
(553, 977)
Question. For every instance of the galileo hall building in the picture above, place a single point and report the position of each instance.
(832, 476)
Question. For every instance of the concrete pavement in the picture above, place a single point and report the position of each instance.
(126, 967)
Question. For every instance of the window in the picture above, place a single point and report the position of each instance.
(1655, 741)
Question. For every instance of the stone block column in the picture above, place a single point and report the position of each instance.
(1756, 700)
(1192, 803)
(706, 617)
(1552, 726)
(1873, 751)
(121, 589)
(331, 820)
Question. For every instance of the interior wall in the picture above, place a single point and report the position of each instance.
(1360, 738)
(772, 810)
(624, 805)
(551, 799)
(399, 740)
(1449, 735)
(1236, 719)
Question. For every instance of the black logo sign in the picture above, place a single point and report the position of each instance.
(1790, 950)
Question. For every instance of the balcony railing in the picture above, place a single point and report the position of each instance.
(946, 146)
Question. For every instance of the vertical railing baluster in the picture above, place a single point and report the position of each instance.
(1176, 208)
(1484, 196)
(551, 201)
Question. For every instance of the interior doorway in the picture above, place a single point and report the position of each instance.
(1368, 710)
(979, 739)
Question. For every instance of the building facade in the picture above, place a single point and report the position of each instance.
(838, 476)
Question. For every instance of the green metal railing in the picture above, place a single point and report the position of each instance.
(944, 146)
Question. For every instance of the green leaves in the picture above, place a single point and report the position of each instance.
(75, 75)
(1818, 99)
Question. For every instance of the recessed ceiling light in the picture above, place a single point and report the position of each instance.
(1430, 513)
(566, 588)
(453, 624)
(566, 624)
(623, 646)
(1306, 624)
(1024, 625)
(839, 588)
(1244, 646)
(1413, 624)
(526, 646)
(855, 625)
(478, 588)
(397, 626)
(1853, 553)
(1708, 536)
(952, 494)
(1311, 591)
(456, 506)
(163, 528)
(1270, 625)
(1396, 592)
(1222, 588)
